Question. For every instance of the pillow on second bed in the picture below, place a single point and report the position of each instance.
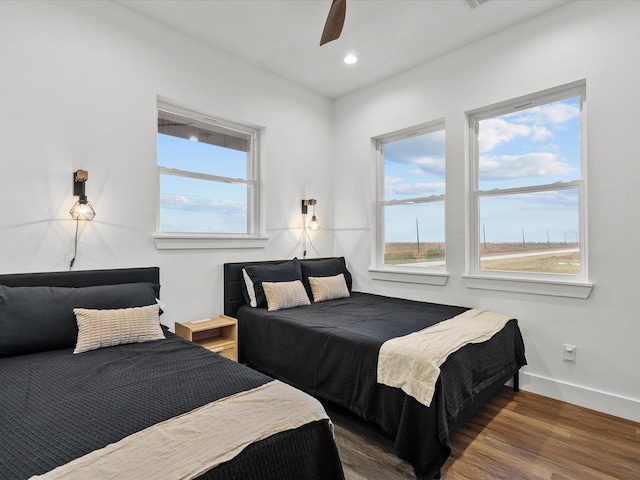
(105, 328)
(254, 275)
(324, 267)
(328, 288)
(281, 295)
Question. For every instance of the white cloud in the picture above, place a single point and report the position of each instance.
(394, 189)
(535, 124)
(392, 181)
(426, 164)
(496, 131)
(426, 152)
(497, 167)
(432, 165)
(551, 201)
(552, 113)
(540, 133)
(197, 204)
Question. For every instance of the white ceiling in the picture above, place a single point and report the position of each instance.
(388, 36)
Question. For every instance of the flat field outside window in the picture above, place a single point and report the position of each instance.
(418, 244)
(529, 181)
(413, 203)
(519, 234)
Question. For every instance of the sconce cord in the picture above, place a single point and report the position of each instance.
(75, 246)
(305, 236)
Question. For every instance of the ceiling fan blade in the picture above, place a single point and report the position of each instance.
(335, 21)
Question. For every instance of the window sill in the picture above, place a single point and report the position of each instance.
(410, 276)
(555, 288)
(195, 241)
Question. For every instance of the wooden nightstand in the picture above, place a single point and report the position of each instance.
(217, 334)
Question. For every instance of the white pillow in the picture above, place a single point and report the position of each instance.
(105, 328)
(281, 295)
(328, 288)
(250, 290)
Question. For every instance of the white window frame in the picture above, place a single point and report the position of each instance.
(576, 286)
(255, 236)
(380, 270)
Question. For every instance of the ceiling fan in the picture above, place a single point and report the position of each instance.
(335, 21)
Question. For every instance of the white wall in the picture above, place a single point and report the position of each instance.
(78, 89)
(596, 41)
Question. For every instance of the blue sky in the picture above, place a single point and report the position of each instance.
(534, 146)
(192, 205)
(414, 167)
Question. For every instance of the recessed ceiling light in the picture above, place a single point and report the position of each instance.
(350, 59)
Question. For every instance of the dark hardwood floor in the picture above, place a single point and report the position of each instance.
(516, 436)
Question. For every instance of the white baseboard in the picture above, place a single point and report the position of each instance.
(611, 404)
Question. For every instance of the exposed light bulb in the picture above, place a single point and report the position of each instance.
(314, 226)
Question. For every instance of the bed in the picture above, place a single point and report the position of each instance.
(330, 349)
(62, 410)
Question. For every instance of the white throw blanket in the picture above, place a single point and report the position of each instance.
(412, 363)
(186, 446)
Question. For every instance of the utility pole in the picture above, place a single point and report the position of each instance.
(484, 238)
(418, 238)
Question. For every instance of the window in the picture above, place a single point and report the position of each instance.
(528, 205)
(411, 166)
(207, 173)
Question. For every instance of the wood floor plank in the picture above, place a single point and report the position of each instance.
(520, 436)
(366, 452)
(571, 442)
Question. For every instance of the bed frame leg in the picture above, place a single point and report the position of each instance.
(516, 382)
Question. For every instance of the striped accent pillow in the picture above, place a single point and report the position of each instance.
(105, 328)
(328, 288)
(281, 295)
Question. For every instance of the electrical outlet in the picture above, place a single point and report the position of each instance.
(569, 353)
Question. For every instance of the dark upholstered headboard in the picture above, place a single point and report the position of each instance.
(83, 278)
(37, 309)
(233, 298)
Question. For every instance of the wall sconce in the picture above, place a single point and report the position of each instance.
(313, 225)
(82, 209)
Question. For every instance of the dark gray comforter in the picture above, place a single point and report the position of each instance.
(56, 406)
(330, 349)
